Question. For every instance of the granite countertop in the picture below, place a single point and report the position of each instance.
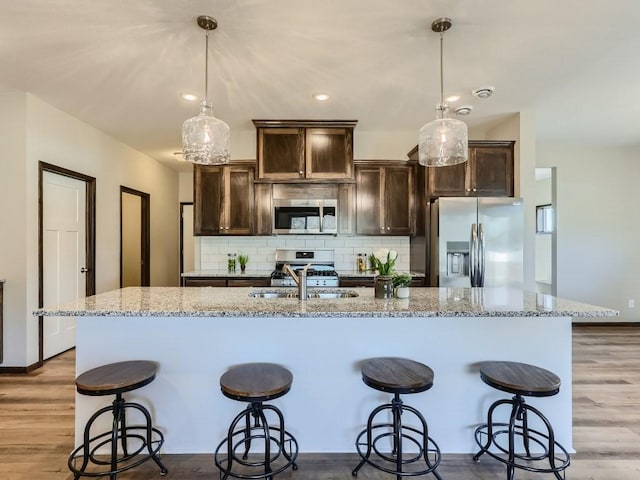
(235, 302)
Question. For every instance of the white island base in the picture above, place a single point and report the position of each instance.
(328, 403)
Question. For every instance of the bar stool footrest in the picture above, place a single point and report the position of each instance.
(289, 450)
(125, 461)
(431, 456)
(521, 460)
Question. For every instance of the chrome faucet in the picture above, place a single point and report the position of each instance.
(300, 279)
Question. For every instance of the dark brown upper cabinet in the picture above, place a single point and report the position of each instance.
(487, 173)
(223, 198)
(309, 150)
(385, 199)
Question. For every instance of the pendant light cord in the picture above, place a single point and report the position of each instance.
(441, 72)
(206, 68)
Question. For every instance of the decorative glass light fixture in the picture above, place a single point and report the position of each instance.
(443, 141)
(205, 138)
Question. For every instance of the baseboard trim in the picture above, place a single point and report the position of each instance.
(607, 324)
(19, 370)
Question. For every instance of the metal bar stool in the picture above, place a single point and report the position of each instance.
(256, 383)
(115, 379)
(397, 376)
(522, 380)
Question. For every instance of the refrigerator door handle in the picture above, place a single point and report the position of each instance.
(481, 262)
(473, 255)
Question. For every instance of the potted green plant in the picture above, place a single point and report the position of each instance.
(401, 282)
(384, 261)
(242, 260)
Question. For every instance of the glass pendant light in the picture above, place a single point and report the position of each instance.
(443, 141)
(205, 138)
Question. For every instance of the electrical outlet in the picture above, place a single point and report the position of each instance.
(631, 303)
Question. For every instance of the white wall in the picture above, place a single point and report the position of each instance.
(544, 241)
(40, 132)
(521, 128)
(598, 221)
(13, 219)
(185, 186)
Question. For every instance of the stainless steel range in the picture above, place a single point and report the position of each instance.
(321, 273)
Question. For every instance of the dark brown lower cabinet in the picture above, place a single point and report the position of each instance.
(368, 282)
(226, 281)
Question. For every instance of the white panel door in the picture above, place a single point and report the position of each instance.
(63, 250)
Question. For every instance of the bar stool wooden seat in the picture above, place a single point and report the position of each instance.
(116, 379)
(397, 376)
(256, 383)
(512, 441)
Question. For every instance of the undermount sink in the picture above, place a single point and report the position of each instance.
(310, 294)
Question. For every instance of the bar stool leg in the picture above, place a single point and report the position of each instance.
(487, 444)
(369, 438)
(396, 410)
(282, 437)
(149, 429)
(86, 452)
(247, 433)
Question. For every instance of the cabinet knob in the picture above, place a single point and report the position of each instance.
(475, 189)
(301, 173)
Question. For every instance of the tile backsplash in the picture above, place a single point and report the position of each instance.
(214, 250)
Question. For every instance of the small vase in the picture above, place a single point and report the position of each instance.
(402, 292)
(242, 268)
(383, 286)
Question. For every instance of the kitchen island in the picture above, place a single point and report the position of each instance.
(195, 334)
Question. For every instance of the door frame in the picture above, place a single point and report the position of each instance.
(182, 205)
(145, 234)
(90, 238)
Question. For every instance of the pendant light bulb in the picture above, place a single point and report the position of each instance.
(443, 141)
(205, 138)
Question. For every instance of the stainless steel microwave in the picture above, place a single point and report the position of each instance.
(300, 216)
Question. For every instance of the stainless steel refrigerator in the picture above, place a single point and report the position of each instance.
(478, 242)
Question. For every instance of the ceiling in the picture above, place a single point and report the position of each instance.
(121, 65)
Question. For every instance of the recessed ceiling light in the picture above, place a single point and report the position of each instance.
(463, 110)
(483, 92)
(452, 98)
(321, 97)
(190, 97)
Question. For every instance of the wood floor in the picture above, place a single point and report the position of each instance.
(36, 423)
